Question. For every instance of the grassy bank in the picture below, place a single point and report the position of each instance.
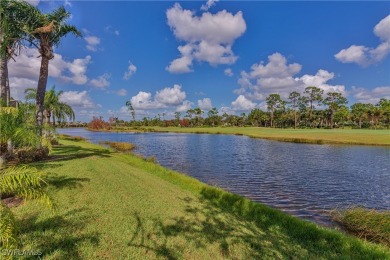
(119, 206)
(316, 136)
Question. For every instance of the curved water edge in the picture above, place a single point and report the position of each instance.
(305, 180)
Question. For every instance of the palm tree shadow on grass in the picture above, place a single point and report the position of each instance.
(71, 152)
(240, 228)
(59, 235)
(202, 225)
(63, 181)
(142, 239)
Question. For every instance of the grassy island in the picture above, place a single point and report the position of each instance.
(120, 206)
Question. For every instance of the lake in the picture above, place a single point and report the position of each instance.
(304, 180)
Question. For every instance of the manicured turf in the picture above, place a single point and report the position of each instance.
(319, 136)
(120, 206)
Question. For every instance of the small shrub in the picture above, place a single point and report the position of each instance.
(120, 146)
(28, 155)
(98, 123)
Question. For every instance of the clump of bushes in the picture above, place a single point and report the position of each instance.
(369, 224)
(98, 123)
(120, 146)
(30, 154)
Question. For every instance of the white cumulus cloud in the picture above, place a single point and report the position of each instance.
(102, 81)
(277, 76)
(205, 104)
(242, 104)
(24, 72)
(170, 96)
(19, 85)
(371, 96)
(131, 70)
(228, 72)
(365, 56)
(167, 97)
(208, 5)
(78, 99)
(122, 92)
(186, 105)
(143, 100)
(92, 42)
(208, 38)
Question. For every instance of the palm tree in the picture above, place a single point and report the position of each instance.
(14, 17)
(131, 108)
(62, 112)
(15, 130)
(24, 182)
(50, 33)
(52, 106)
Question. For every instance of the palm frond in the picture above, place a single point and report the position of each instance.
(16, 17)
(62, 31)
(30, 93)
(58, 15)
(25, 182)
(8, 238)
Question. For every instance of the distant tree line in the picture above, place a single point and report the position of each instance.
(310, 109)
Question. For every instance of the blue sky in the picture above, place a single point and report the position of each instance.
(170, 56)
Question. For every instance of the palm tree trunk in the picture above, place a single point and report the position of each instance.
(41, 90)
(3, 79)
(7, 88)
(54, 120)
(10, 147)
(3, 64)
(47, 116)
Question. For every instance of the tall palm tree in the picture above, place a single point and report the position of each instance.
(50, 33)
(15, 16)
(52, 106)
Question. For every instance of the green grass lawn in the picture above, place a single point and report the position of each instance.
(119, 206)
(319, 136)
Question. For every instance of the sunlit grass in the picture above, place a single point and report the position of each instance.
(119, 206)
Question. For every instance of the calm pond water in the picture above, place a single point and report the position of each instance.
(302, 179)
